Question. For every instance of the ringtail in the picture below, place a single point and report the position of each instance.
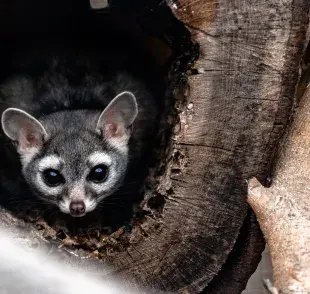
(73, 127)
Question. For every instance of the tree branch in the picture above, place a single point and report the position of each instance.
(283, 210)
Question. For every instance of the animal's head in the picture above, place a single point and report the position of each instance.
(78, 162)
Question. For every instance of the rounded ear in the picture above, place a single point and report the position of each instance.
(20, 126)
(118, 116)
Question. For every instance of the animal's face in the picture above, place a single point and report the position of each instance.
(76, 171)
(74, 168)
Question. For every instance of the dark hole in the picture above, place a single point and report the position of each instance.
(156, 202)
(30, 29)
(141, 37)
(61, 235)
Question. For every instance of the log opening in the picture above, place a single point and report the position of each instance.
(164, 61)
(146, 56)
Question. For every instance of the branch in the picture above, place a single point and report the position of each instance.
(283, 210)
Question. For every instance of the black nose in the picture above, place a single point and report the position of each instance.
(77, 208)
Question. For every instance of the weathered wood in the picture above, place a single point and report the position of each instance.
(229, 111)
(242, 260)
(231, 117)
(238, 103)
(283, 210)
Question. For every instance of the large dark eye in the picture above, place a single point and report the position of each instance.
(53, 178)
(98, 174)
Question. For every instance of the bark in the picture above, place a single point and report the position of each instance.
(231, 80)
(283, 210)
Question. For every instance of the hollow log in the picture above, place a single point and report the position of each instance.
(231, 81)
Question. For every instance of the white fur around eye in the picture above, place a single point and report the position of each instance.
(98, 158)
(51, 161)
(51, 191)
(44, 188)
(106, 187)
(48, 162)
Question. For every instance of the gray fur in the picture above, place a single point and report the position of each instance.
(74, 114)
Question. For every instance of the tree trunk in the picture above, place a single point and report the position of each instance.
(232, 75)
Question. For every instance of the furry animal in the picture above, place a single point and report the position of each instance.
(78, 128)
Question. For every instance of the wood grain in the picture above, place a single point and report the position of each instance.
(236, 105)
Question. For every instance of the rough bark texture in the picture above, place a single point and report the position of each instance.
(224, 117)
(247, 67)
(283, 210)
